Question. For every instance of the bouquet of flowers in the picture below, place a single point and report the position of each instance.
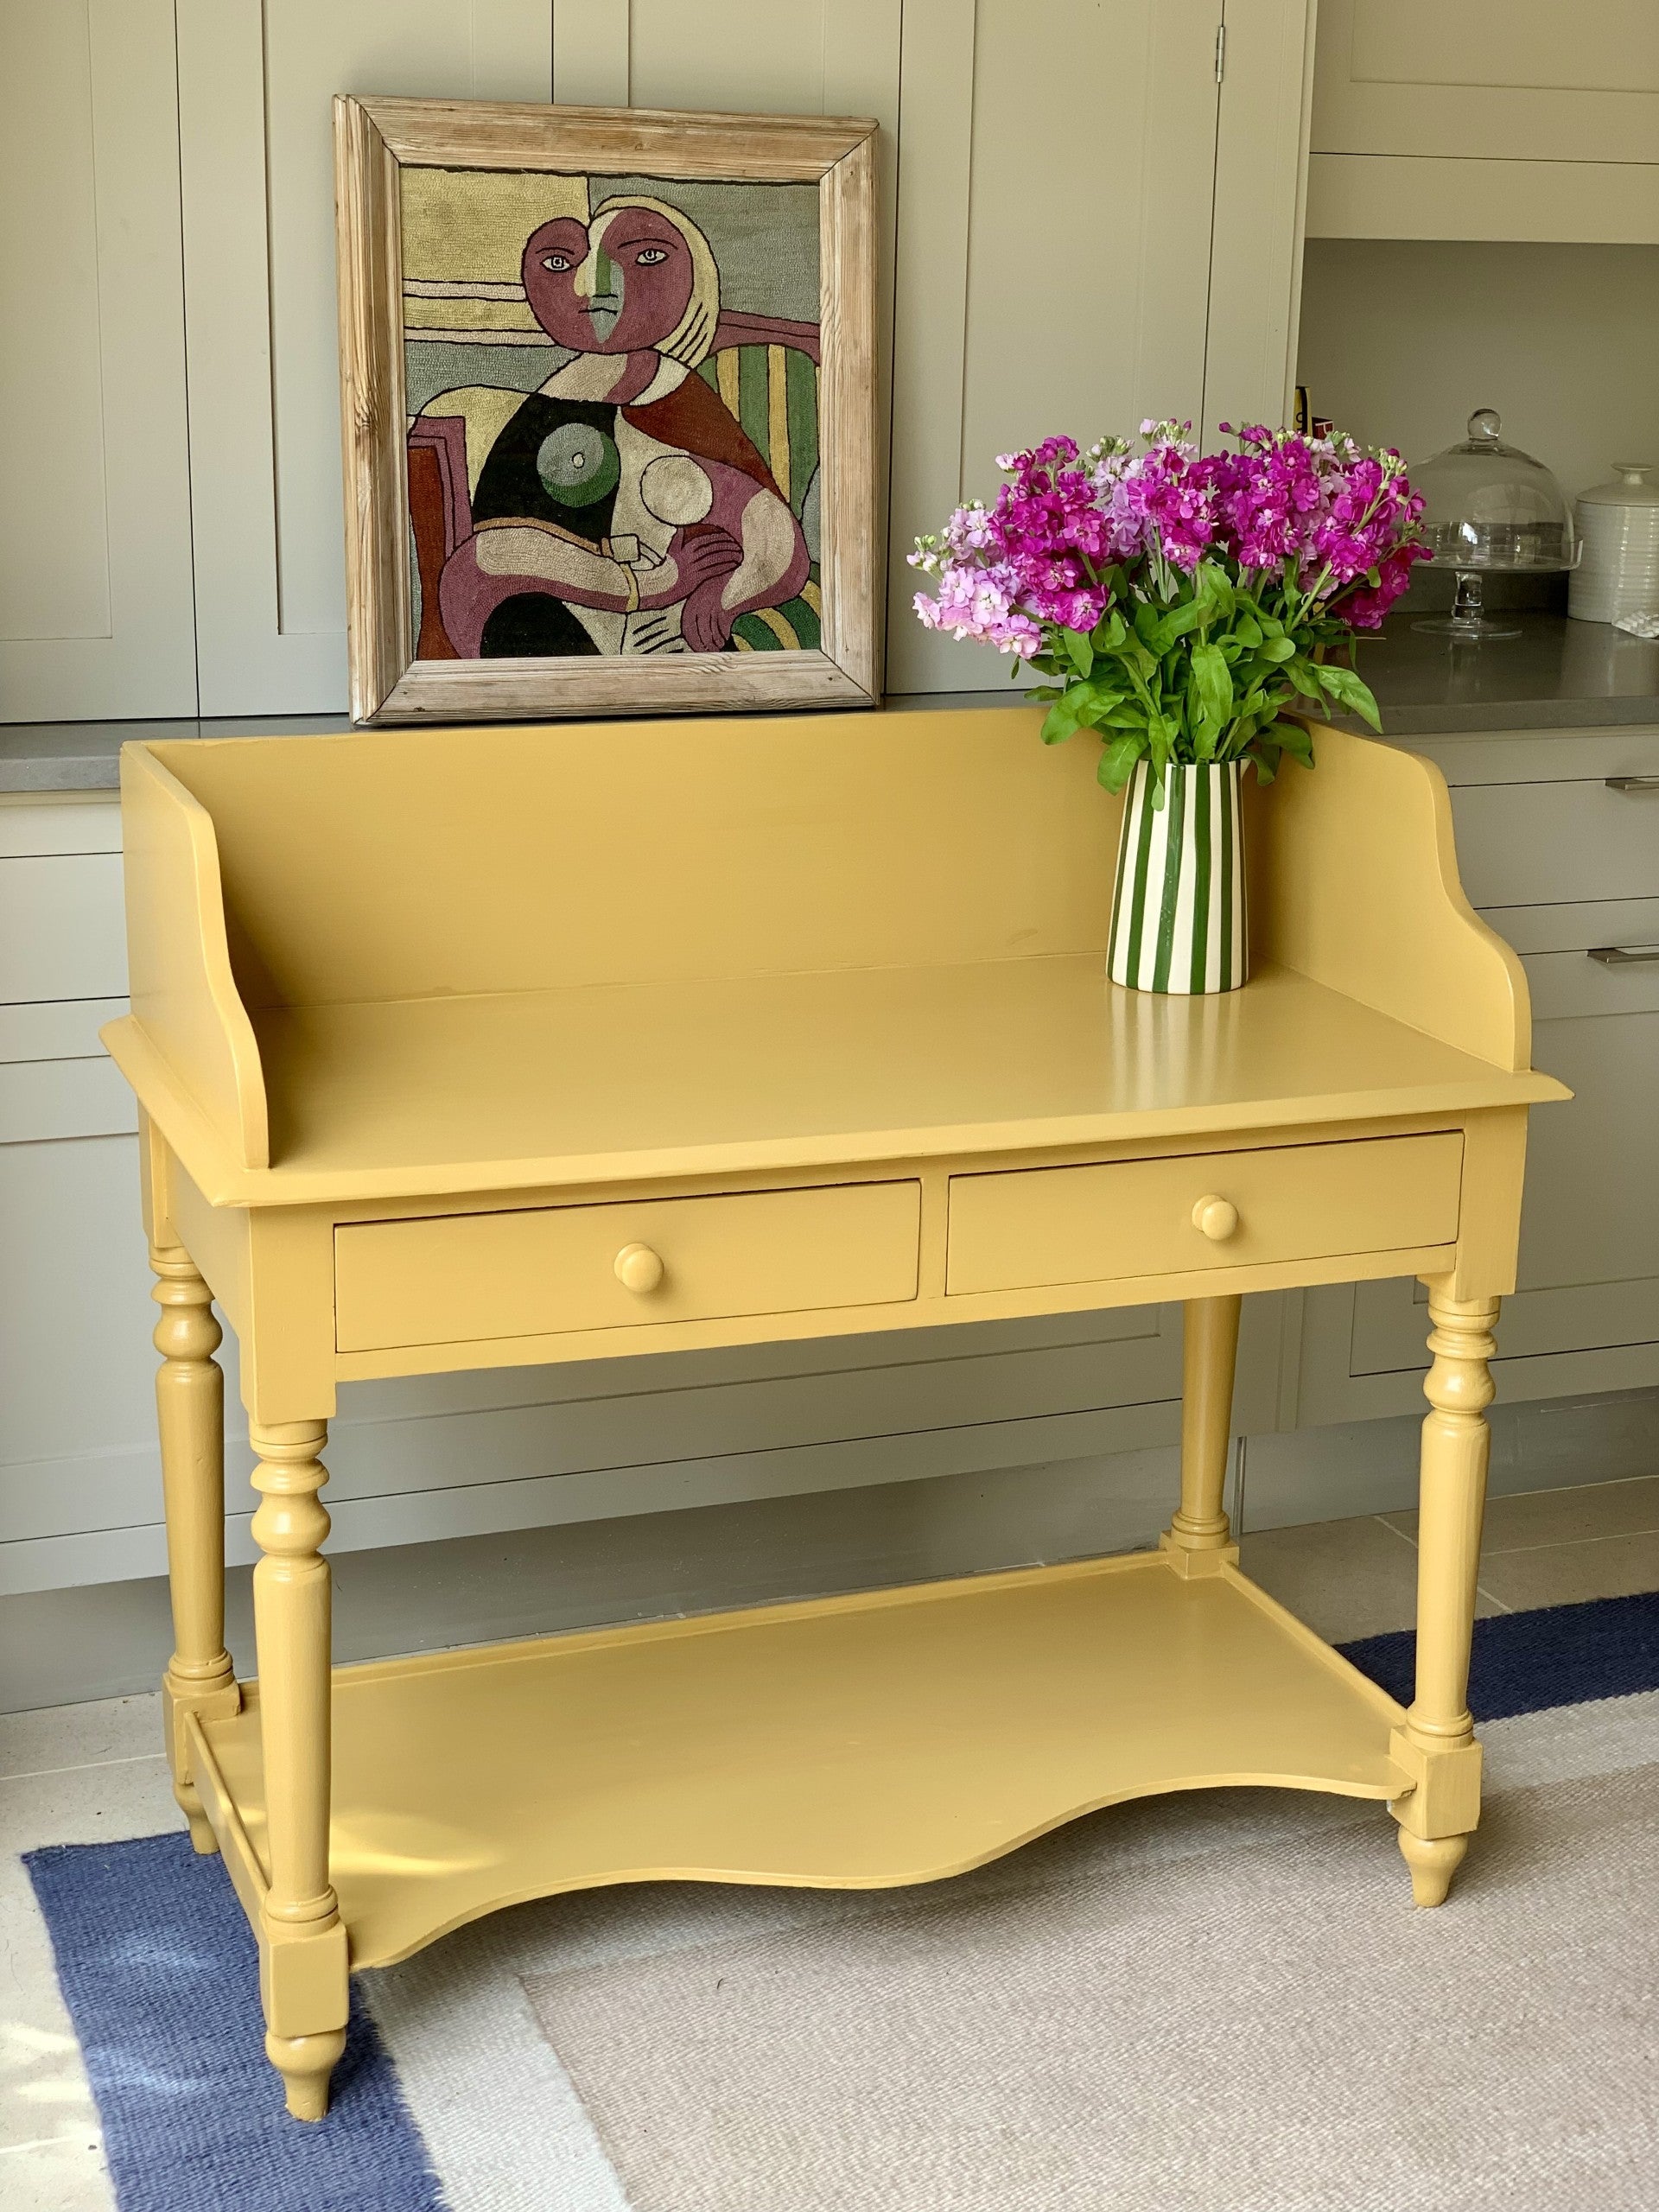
(1180, 600)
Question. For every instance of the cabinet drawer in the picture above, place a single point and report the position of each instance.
(1022, 1230)
(63, 930)
(44, 1099)
(463, 1278)
(1536, 844)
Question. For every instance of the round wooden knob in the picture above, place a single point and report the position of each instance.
(1216, 1217)
(638, 1269)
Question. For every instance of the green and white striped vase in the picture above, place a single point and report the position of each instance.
(1178, 909)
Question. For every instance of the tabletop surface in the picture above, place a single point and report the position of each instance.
(608, 1082)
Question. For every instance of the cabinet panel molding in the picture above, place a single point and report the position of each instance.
(96, 617)
(1498, 79)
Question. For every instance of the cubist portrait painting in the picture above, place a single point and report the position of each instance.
(611, 385)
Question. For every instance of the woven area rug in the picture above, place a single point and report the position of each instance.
(1222, 2000)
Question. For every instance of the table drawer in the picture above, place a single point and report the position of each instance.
(1033, 1226)
(463, 1278)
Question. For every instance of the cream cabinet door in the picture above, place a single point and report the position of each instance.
(256, 84)
(1513, 80)
(95, 602)
(1054, 260)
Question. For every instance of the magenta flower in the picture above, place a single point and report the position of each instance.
(1223, 575)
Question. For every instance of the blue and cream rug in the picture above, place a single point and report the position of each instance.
(1219, 2003)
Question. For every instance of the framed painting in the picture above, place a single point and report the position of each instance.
(609, 394)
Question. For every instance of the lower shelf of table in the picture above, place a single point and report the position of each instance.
(892, 1737)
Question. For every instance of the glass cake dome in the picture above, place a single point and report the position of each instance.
(1490, 509)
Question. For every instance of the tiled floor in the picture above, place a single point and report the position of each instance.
(1349, 1579)
(88, 1772)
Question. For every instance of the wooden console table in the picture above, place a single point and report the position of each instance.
(475, 1047)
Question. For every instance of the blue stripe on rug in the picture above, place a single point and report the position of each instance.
(160, 1974)
(1522, 1662)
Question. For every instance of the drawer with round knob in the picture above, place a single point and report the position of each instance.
(1025, 1228)
(542, 1271)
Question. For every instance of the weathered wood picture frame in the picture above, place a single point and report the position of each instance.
(695, 529)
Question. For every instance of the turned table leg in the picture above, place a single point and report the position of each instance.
(303, 1973)
(1437, 1744)
(190, 1417)
(1198, 1537)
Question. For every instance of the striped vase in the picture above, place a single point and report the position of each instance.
(1179, 907)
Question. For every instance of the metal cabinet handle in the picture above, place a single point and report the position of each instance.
(1622, 956)
(1632, 783)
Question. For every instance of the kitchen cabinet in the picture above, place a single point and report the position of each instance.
(1561, 863)
(1497, 120)
(95, 576)
(212, 580)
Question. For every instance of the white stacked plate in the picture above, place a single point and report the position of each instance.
(1618, 531)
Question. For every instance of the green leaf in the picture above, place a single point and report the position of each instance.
(1213, 682)
(1060, 723)
(1117, 761)
(1278, 649)
(1266, 757)
(1176, 624)
(1212, 584)
(1081, 652)
(1344, 685)
(1161, 736)
(1110, 632)
(1291, 738)
(1305, 677)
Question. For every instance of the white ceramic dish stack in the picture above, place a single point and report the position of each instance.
(1618, 531)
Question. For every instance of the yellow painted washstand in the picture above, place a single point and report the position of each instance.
(465, 1048)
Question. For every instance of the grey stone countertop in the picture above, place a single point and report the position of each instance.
(1557, 675)
(87, 756)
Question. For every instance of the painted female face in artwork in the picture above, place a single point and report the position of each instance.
(615, 286)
